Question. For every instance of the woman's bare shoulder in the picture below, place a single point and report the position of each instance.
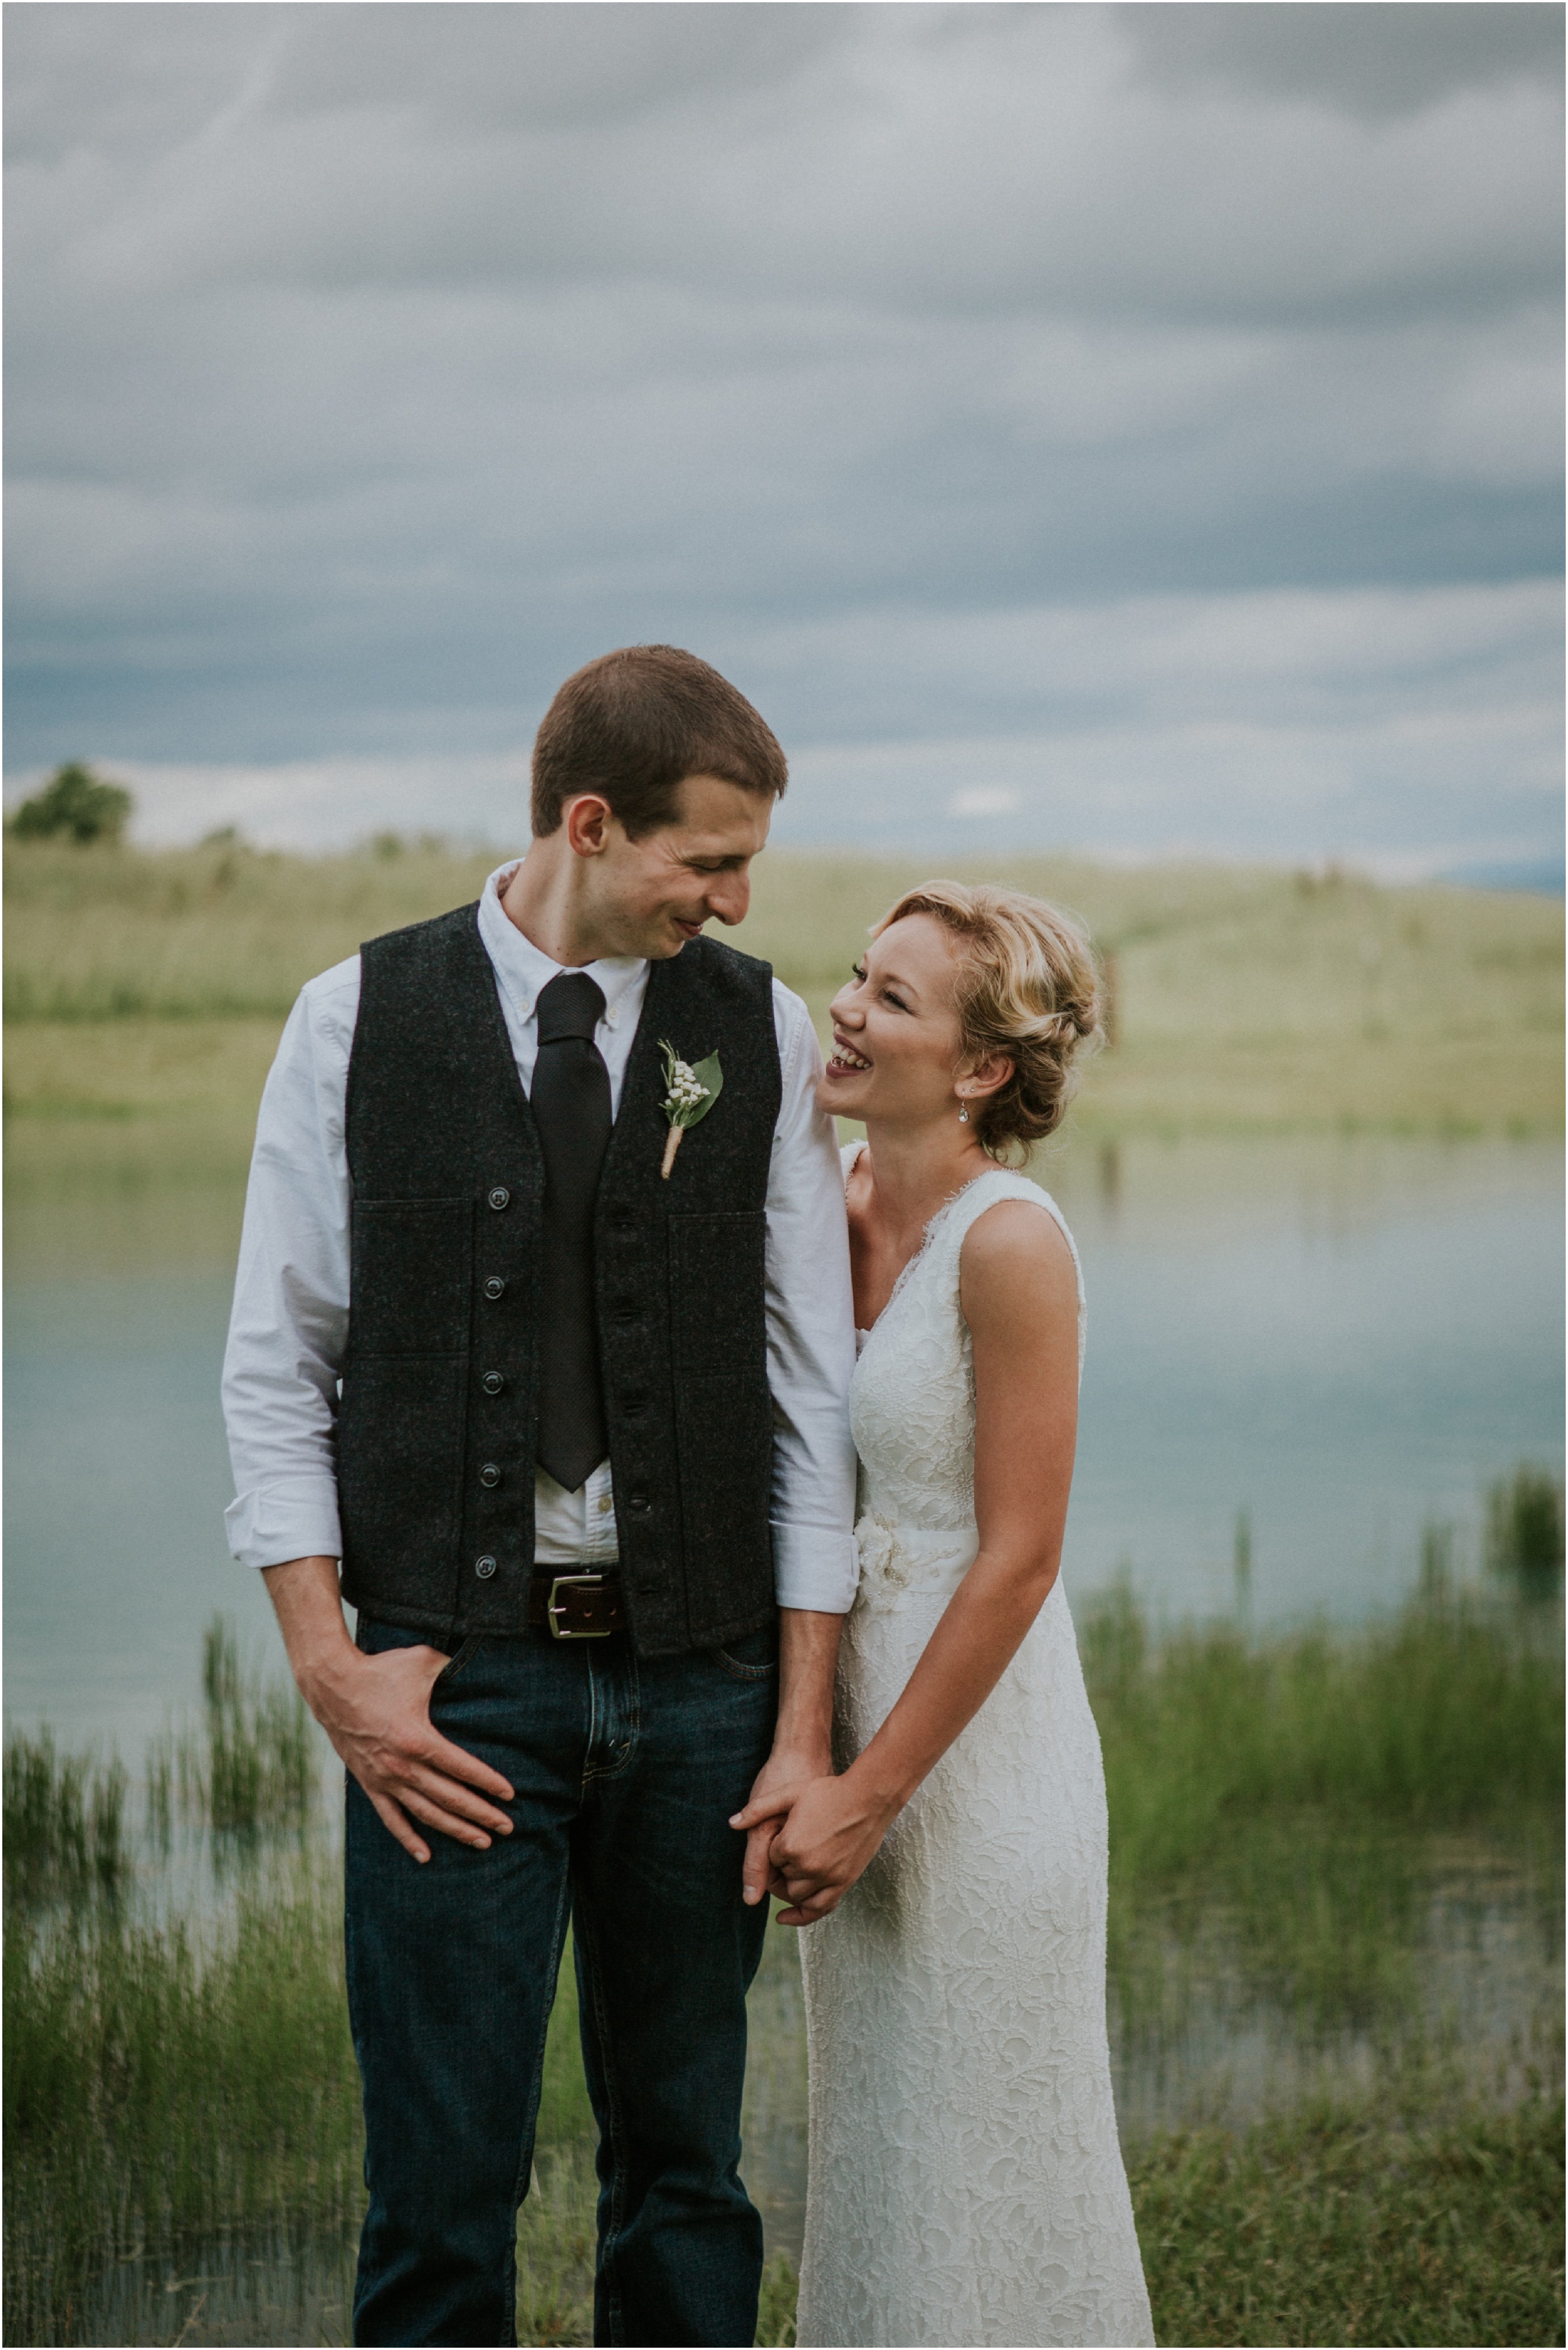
(1016, 1254)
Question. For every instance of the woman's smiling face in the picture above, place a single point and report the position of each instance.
(896, 1038)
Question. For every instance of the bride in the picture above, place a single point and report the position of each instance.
(965, 2185)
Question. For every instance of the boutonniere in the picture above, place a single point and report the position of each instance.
(691, 1093)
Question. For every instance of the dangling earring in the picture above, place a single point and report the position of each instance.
(963, 1113)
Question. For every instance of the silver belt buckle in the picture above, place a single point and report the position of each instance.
(552, 1611)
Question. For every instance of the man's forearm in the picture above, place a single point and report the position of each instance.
(803, 1737)
(808, 1659)
(305, 1594)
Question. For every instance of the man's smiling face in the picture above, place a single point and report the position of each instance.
(651, 895)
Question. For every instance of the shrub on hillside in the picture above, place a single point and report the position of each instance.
(77, 804)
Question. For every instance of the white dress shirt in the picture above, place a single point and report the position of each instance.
(290, 1315)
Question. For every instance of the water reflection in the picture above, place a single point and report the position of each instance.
(1342, 1340)
(1464, 1985)
(1108, 1166)
(291, 2283)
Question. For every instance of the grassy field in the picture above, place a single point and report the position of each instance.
(170, 2084)
(1359, 2227)
(144, 991)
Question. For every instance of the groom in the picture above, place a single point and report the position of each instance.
(572, 1415)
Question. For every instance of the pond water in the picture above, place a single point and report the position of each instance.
(1314, 1349)
(1337, 1343)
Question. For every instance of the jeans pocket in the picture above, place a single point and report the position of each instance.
(375, 1637)
(754, 1657)
(463, 1654)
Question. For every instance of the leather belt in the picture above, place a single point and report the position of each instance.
(580, 1605)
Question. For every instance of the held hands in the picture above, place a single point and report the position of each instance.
(376, 1710)
(787, 1774)
(814, 1854)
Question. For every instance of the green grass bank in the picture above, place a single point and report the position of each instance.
(144, 990)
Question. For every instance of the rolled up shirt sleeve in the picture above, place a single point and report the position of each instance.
(290, 1317)
(811, 1335)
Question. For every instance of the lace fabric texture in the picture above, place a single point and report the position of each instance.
(966, 2185)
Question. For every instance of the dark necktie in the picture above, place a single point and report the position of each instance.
(571, 1104)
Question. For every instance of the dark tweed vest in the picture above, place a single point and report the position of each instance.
(436, 1424)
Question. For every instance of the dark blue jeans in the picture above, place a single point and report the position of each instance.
(626, 1771)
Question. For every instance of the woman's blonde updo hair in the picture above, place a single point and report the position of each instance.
(1025, 988)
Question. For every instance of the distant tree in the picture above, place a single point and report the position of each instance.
(77, 803)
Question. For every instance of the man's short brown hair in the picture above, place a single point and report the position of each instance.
(633, 724)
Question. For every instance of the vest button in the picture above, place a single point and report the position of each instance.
(485, 1568)
(625, 1313)
(639, 1506)
(495, 1286)
(499, 1197)
(492, 1383)
(489, 1474)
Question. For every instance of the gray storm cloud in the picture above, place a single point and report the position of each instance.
(370, 366)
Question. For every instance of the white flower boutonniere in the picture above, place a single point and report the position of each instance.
(691, 1091)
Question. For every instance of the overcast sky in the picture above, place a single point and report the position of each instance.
(1137, 428)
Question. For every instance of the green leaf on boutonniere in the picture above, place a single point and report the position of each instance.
(691, 1087)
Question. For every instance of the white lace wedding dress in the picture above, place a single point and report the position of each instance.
(966, 2185)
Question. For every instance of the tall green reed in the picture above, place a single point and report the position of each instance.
(1284, 1811)
(1451, 1713)
(163, 2084)
(1524, 1533)
(253, 1761)
(157, 2085)
(64, 1825)
(161, 2079)
(261, 1759)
